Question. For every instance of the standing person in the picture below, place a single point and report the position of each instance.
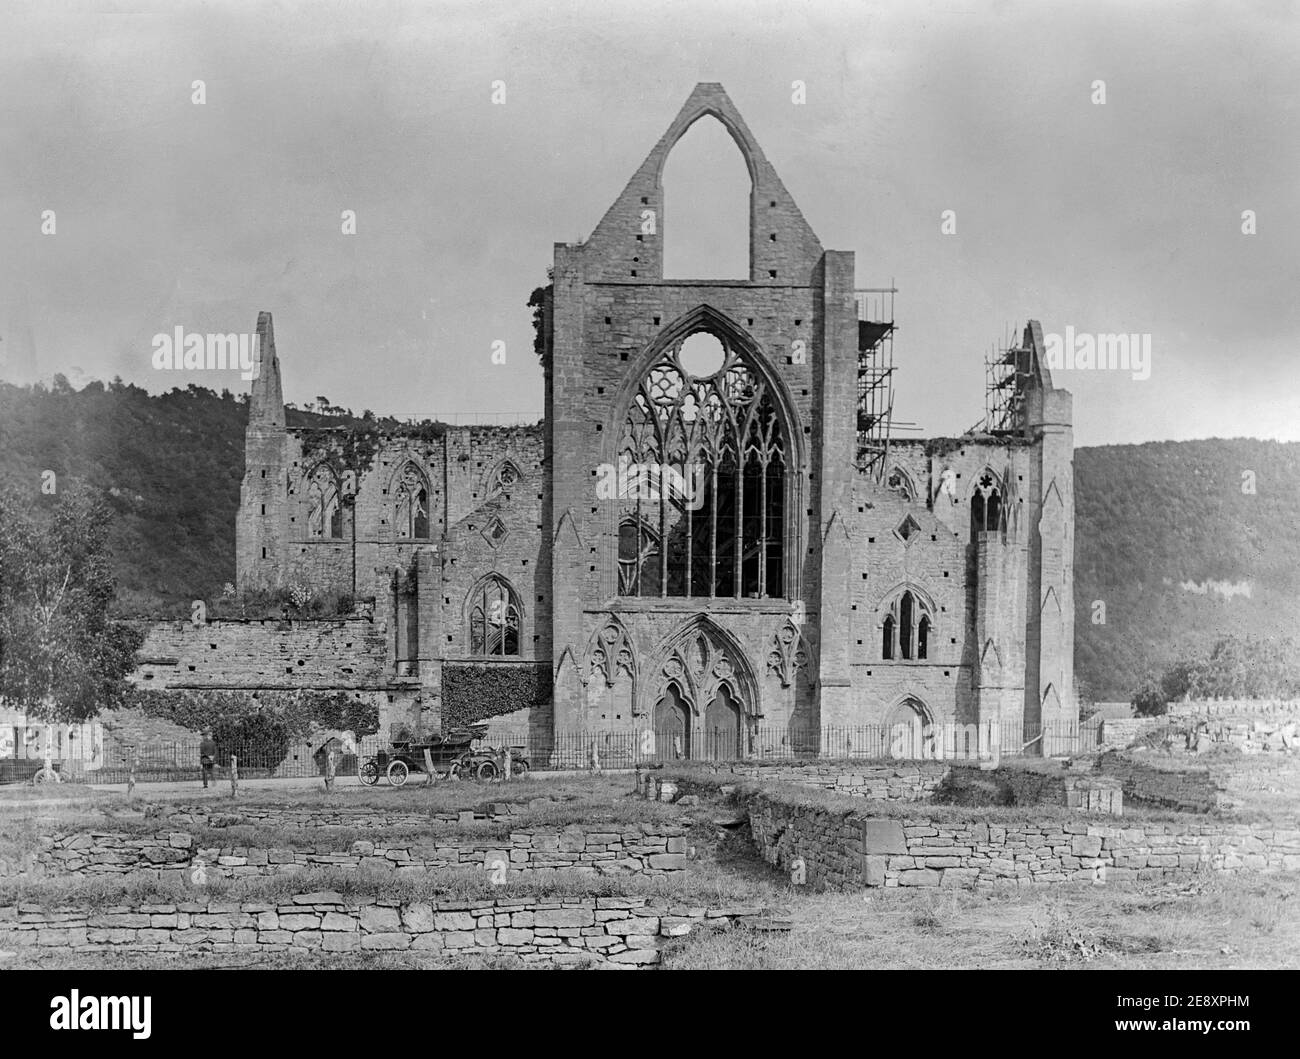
(207, 755)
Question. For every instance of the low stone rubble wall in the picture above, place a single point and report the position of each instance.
(362, 818)
(1201, 727)
(1011, 786)
(1273, 709)
(605, 931)
(846, 850)
(641, 849)
(1186, 789)
(903, 781)
(923, 781)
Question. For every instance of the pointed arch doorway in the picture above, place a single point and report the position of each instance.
(672, 721)
(909, 731)
(722, 727)
(704, 700)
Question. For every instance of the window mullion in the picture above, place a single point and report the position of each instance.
(713, 528)
(762, 528)
(740, 512)
(640, 551)
(690, 543)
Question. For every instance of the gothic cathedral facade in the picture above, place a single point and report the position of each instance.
(691, 542)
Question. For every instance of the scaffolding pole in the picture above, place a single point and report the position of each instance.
(876, 329)
(1006, 376)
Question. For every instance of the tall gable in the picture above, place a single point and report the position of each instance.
(613, 251)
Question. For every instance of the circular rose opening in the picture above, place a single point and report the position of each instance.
(702, 355)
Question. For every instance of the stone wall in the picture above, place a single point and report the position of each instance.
(1188, 790)
(845, 850)
(361, 817)
(571, 930)
(1012, 786)
(332, 653)
(641, 849)
(1251, 726)
(923, 781)
(903, 781)
(1277, 709)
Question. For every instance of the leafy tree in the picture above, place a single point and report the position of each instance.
(61, 658)
(1176, 681)
(1149, 700)
(537, 302)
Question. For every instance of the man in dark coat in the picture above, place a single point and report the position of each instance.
(207, 755)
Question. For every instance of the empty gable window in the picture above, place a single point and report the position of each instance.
(705, 222)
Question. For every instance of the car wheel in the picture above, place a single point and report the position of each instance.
(397, 773)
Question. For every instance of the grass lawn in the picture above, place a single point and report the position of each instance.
(444, 796)
(1206, 921)
(1239, 922)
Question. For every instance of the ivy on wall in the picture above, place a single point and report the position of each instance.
(260, 741)
(296, 711)
(355, 448)
(473, 691)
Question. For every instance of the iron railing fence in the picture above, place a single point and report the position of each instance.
(179, 760)
(614, 749)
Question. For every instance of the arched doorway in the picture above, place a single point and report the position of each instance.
(672, 721)
(908, 731)
(701, 693)
(722, 727)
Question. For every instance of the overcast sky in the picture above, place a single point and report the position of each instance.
(1122, 217)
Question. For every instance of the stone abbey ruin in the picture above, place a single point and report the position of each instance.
(767, 562)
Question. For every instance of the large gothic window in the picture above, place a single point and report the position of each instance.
(412, 502)
(494, 619)
(703, 465)
(324, 507)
